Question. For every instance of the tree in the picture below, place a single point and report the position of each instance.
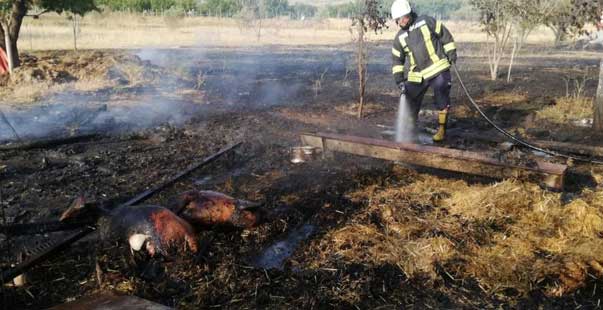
(370, 17)
(2, 44)
(568, 17)
(274, 8)
(299, 11)
(348, 10)
(251, 16)
(525, 17)
(12, 13)
(581, 13)
(584, 12)
(440, 9)
(496, 21)
(11, 18)
(220, 8)
(578, 14)
(559, 19)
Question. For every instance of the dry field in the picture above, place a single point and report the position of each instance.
(117, 30)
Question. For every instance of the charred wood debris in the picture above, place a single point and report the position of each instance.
(155, 230)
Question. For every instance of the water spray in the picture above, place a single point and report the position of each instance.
(404, 122)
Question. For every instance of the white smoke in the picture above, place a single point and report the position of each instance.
(253, 79)
(75, 113)
(59, 120)
(237, 79)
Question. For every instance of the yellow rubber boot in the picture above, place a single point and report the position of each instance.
(442, 120)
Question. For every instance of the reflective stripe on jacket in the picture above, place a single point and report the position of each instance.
(421, 52)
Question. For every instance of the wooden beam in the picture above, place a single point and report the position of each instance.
(549, 174)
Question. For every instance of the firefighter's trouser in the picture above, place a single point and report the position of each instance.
(440, 84)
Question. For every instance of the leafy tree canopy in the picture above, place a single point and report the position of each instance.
(79, 7)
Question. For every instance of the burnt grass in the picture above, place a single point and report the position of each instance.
(38, 184)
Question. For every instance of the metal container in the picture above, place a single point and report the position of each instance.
(302, 154)
(20, 280)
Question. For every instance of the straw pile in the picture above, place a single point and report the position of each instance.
(510, 237)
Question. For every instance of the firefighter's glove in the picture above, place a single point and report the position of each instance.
(402, 87)
(452, 57)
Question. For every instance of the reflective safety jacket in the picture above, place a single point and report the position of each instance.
(421, 52)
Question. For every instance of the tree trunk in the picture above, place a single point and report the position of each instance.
(259, 29)
(518, 42)
(491, 53)
(494, 72)
(74, 32)
(598, 108)
(2, 44)
(513, 52)
(361, 68)
(559, 35)
(18, 11)
(559, 38)
(497, 49)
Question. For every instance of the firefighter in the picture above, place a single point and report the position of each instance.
(423, 52)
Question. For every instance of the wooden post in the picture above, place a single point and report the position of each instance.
(598, 104)
(362, 63)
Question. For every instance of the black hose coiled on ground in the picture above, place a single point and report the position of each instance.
(515, 138)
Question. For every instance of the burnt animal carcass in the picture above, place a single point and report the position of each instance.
(208, 208)
(156, 228)
(153, 228)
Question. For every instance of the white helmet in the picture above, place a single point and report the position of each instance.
(400, 8)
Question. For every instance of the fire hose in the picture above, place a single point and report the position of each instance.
(513, 137)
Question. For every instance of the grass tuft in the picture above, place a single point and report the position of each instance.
(567, 110)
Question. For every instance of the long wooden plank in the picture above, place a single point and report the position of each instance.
(552, 175)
